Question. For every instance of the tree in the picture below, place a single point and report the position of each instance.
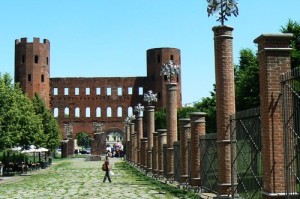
(160, 118)
(293, 27)
(51, 132)
(83, 139)
(18, 122)
(247, 81)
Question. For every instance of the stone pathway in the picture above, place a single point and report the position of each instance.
(77, 178)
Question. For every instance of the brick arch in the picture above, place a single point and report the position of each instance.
(114, 129)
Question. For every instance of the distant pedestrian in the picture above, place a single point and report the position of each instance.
(106, 170)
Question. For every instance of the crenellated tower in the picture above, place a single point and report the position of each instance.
(32, 67)
(156, 57)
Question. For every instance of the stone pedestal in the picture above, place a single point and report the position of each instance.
(64, 148)
(162, 139)
(185, 134)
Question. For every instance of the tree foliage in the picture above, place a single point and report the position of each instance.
(293, 27)
(247, 81)
(20, 126)
(51, 132)
(23, 122)
(83, 139)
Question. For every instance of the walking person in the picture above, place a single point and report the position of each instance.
(106, 170)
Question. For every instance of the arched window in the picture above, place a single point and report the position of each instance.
(36, 59)
(108, 112)
(98, 112)
(77, 112)
(55, 112)
(67, 112)
(119, 112)
(88, 112)
(130, 111)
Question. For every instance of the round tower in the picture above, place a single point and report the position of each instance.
(156, 57)
(32, 67)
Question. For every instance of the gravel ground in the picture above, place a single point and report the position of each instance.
(77, 178)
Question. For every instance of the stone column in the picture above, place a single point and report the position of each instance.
(274, 59)
(155, 153)
(185, 134)
(162, 139)
(150, 131)
(132, 143)
(197, 129)
(144, 152)
(64, 148)
(171, 125)
(127, 127)
(225, 103)
(139, 121)
(70, 147)
(98, 144)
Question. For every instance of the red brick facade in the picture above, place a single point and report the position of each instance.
(82, 101)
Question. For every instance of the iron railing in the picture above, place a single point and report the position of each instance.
(176, 147)
(209, 163)
(290, 83)
(246, 165)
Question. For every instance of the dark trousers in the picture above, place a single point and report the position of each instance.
(106, 176)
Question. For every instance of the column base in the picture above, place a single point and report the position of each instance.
(155, 171)
(195, 181)
(170, 174)
(279, 195)
(184, 178)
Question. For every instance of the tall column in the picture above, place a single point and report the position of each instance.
(225, 103)
(162, 139)
(64, 148)
(144, 152)
(197, 129)
(150, 131)
(185, 134)
(274, 59)
(132, 143)
(155, 153)
(139, 120)
(128, 142)
(171, 125)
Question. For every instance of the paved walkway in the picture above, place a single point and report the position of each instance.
(77, 178)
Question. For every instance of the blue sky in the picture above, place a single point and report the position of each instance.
(109, 38)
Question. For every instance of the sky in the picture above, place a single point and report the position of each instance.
(109, 38)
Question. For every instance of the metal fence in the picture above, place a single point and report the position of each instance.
(209, 163)
(246, 162)
(165, 161)
(176, 147)
(290, 82)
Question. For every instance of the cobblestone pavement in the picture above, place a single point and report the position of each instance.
(77, 178)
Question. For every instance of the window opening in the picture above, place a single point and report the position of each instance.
(76, 91)
(55, 112)
(108, 112)
(87, 91)
(98, 112)
(36, 59)
(66, 91)
(88, 112)
(55, 91)
(119, 114)
(129, 90)
(98, 91)
(77, 112)
(108, 91)
(67, 112)
(141, 90)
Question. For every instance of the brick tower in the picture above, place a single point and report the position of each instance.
(32, 67)
(156, 57)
